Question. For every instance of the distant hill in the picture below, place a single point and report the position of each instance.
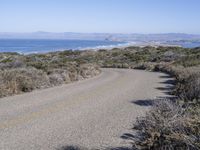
(101, 36)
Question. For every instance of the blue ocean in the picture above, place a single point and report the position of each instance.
(41, 46)
(27, 46)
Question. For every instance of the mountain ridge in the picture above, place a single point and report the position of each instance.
(99, 36)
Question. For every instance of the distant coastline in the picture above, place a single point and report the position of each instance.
(43, 42)
(28, 46)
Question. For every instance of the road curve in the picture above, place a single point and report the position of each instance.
(92, 113)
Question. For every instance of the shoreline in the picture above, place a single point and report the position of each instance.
(96, 48)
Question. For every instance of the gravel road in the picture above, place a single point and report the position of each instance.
(92, 113)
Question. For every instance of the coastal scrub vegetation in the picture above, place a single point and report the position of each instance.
(170, 125)
(24, 73)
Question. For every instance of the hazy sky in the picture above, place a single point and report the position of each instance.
(118, 16)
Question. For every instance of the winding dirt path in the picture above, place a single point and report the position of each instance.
(93, 113)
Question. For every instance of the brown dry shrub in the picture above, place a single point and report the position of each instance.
(167, 127)
(14, 81)
(89, 70)
(58, 77)
(188, 84)
(150, 66)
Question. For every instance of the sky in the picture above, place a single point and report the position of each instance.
(100, 16)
